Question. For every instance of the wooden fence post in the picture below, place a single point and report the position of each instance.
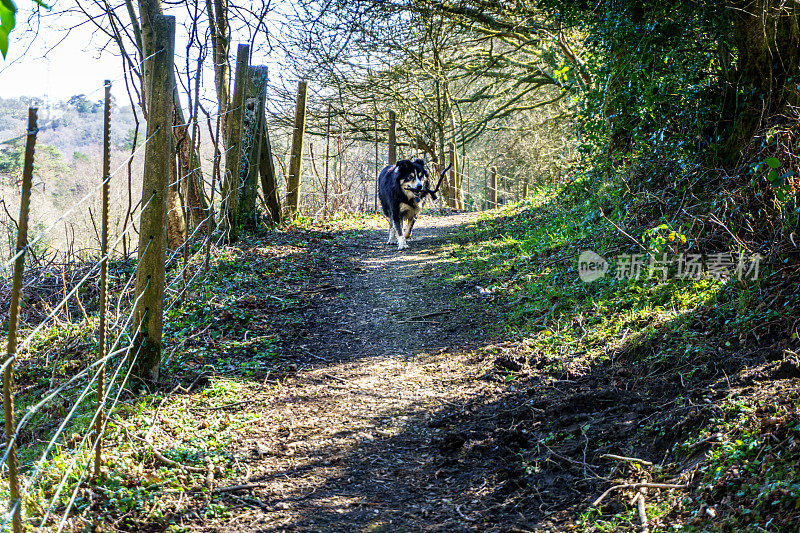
(392, 137)
(377, 164)
(455, 198)
(269, 181)
(296, 161)
(230, 199)
(485, 202)
(327, 164)
(466, 169)
(15, 504)
(103, 328)
(525, 189)
(158, 162)
(252, 141)
(493, 189)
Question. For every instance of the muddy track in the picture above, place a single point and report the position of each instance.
(358, 439)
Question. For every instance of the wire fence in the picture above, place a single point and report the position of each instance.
(50, 466)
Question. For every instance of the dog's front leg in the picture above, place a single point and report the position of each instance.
(411, 222)
(392, 233)
(398, 228)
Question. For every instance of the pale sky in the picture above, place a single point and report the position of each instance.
(53, 63)
(60, 63)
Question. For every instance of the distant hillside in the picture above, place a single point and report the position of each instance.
(67, 166)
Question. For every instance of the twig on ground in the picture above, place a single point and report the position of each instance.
(429, 315)
(619, 229)
(224, 406)
(246, 486)
(315, 356)
(711, 439)
(337, 378)
(209, 474)
(627, 459)
(636, 486)
(642, 511)
(175, 464)
(458, 510)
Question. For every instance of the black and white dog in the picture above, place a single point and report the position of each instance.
(402, 189)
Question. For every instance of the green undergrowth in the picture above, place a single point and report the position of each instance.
(717, 340)
(225, 342)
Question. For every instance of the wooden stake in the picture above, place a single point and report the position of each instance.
(269, 180)
(327, 163)
(103, 328)
(377, 163)
(392, 137)
(493, 189)
(15, 504)
(230, 200)
(296, 162)
(455, 186)
(252, 141)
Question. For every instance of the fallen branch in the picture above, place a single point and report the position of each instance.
(637, 486)
(428, 315)
(175, 464)
(246, 486)
(711, 439)
(626, 459)
(642, 512)
(224, 406)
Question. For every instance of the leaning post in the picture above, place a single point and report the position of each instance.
(103, 328)
(493, 189)
(15, 503)
(269, 181)
(377, 164)
(158, 162)
(296, 162)
(455, 186)
(485, 202)
(327, 164)
(252, 144)
(230, 200)
(466, 170)
(392, 137)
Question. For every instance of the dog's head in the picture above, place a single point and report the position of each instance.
(413, 176)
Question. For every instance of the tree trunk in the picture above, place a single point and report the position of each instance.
(147, 10)
(221, 42)
(767, 39)
(196, 203)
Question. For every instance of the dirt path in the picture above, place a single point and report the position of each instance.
(361, 439)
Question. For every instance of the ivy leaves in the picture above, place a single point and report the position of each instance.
(8, 19)
(781, 185)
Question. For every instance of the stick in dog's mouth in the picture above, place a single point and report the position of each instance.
(419, 195)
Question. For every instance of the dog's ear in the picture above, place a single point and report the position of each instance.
(404, 166)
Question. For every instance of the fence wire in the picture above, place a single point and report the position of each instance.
(80, 386)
